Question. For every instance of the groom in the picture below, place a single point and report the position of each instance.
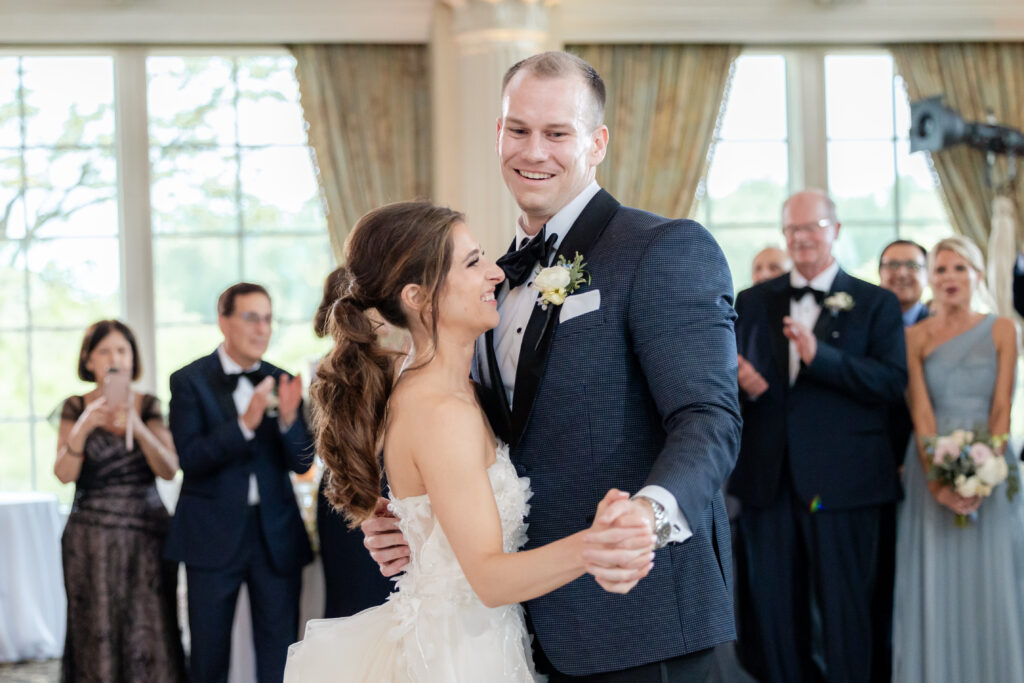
(629, 384)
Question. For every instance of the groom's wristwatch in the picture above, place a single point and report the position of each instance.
(662, 527)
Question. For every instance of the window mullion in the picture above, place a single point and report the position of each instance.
(133, 185)
(805, 100)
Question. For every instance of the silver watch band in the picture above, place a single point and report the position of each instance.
(662, 527)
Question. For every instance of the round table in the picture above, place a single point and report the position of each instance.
(33, 610)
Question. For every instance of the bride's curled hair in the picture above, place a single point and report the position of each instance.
(389, 248)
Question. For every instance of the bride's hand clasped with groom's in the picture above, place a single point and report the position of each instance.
(619, 547)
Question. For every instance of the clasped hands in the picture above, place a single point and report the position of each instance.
(289, 394)
(618, 547)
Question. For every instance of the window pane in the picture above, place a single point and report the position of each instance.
(747, 181)
(191, 101)
(858, 92)
(296, 349)
(177, 346)
(194, 191)
(926, 234)
(919, 191)
(861, 180)
(69, 101)
(190, 273)
(71, 193)
(16, 465)
(12, 284)
(12, 205)
(269, 112)
(757, 100)
(279, 190)
(74, 281)
(55, 369)
(859, 247)
(741, 246)
(14, 359)
(293, 271)
(10, 107)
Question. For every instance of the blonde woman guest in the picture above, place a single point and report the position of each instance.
(959, 597)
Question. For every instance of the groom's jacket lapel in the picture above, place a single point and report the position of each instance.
(493, 397)
(583, 234)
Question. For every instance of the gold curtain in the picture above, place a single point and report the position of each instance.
(663, 106)
(974, 77)
(368, 113)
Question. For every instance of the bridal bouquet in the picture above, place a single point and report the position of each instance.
(970, 465)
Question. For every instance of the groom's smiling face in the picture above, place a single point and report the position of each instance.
(550, 142)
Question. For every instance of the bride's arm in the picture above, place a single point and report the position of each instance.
(1004, 334)
(451, 458)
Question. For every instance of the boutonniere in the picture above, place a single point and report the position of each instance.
(557, 282)
(840, 301)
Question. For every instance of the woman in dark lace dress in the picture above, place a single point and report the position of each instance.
(122, 618)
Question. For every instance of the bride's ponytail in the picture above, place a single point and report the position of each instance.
(390, 247)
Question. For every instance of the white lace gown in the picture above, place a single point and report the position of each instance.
(434, 628)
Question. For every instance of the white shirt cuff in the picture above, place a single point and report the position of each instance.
(246, 432)
(680, 527)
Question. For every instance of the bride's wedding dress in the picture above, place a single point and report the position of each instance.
(434, 628)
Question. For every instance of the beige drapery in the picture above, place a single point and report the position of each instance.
(368, 113)
(663, 106)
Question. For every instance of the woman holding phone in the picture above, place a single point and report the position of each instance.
(122, 616)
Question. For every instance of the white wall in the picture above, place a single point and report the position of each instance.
(281, 21)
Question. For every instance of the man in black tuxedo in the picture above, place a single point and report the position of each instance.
(237, 519)
(822, 358)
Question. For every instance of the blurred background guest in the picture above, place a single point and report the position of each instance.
(959, 613)
(237, 519)
(903, 271)
(770, 262)
(122, 616)
(352, 580)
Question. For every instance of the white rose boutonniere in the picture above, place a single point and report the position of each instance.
(557, 282)
(840, 301)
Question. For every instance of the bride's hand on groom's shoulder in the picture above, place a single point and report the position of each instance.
(384, 540)
(619, 545)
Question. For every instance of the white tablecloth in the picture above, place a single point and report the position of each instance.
(33, 609)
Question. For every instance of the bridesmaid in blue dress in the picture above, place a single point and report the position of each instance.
(959, 600)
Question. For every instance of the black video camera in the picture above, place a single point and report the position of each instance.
(935, 126)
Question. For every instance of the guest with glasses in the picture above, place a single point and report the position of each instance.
(237, 520)
(902, 270)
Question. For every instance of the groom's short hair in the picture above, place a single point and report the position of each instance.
(558, 64)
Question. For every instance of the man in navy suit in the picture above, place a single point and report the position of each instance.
(822, 359)
(237, 520)
(629, 384)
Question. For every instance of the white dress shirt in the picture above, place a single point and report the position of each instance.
(806, 310)
(517, 306)
(241, 396)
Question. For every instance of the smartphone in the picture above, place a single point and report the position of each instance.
(117, 388)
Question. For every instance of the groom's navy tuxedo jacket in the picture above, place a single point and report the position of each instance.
(209, 521)
(640, 390)
(829, 431)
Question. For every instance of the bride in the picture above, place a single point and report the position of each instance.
(459, 501)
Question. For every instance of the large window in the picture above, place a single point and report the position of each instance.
(59, 256)
(769, 144)
(232, 196)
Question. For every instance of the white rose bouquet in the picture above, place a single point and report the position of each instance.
(971, 466)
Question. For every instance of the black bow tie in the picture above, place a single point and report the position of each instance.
(254, 376)
(797, 293)
(518, 264)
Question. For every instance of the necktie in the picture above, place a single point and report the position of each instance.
(797, 293)
(519, 264)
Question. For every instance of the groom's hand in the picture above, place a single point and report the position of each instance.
(384, 540)
(620, 545)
